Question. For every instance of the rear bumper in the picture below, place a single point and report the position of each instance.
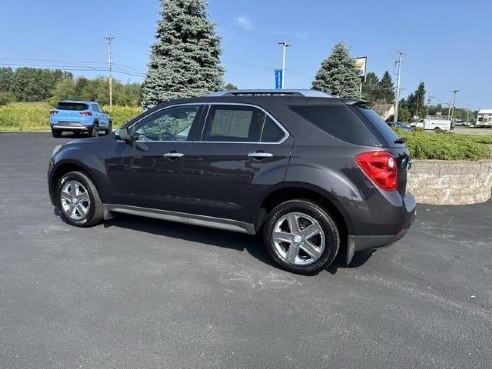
(71, 124)
(357, 243)
(71, 128)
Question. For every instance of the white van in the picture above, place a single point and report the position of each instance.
(434, 123)
(484, 118)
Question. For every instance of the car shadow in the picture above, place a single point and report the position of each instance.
(220, 238)
(359, 259)
(213, 237)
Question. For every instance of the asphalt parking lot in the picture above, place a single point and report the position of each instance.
(141, 293)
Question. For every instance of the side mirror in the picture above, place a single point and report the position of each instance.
(123, 134)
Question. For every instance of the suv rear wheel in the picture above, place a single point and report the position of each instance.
(78, 200)
(110, 128)
(95, 130)
(301, 236)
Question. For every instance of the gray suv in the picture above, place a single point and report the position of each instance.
(315, 175)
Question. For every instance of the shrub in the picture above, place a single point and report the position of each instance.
(122, 114)
(438, 146)
(6, 98)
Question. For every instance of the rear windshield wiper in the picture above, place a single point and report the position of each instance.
(400, 140)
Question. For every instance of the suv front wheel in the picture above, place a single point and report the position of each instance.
(78, 200)
(301, 237)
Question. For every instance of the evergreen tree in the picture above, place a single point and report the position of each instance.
(370, 87)
(229, 86)
(185, 57)
(386, 91)
(416, 101)
(338, 74)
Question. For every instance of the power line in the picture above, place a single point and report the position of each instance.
(74, 68)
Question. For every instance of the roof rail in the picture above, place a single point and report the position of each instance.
(262, 92)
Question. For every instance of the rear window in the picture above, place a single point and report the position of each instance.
(338, 121)
(387, 134)
(72, 106)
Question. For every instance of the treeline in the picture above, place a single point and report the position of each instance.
(35, 84)
(378, 91)
(129, 94)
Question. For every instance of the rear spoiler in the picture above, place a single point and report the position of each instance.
(355, 102)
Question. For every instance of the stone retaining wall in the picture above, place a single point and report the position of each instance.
(442, 182)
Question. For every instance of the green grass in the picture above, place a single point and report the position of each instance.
(17, 117)
(447, 146)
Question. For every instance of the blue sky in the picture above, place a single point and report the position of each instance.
(447, 43)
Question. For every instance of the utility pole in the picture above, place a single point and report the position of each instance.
(428, 105)
(285, 45)
(109, 39)
(397, 94)
(454, 100)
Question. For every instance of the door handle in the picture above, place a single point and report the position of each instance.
(173, 155)
(260, 155)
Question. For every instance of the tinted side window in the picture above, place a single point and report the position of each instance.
(171, 124)
(270, 131)
(241, 124)
(338, 121)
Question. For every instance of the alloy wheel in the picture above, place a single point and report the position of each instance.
(298, 238)
(74, 200)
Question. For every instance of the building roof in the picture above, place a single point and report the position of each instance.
(485, 111)
(382, 108)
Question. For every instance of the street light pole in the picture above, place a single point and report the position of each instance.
(285, 45)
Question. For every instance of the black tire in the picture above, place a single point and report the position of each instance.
(94, 212)
(95, 130)
(313, 215)
(56, 133)
(110, 128)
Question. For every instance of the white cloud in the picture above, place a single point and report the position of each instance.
(244, 22)
(301, 35)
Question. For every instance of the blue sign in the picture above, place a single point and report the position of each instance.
(278, 79)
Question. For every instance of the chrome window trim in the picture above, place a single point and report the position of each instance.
(286, 133)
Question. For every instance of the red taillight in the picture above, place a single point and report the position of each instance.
(54, 112)
(86, 113)
(380, 167)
